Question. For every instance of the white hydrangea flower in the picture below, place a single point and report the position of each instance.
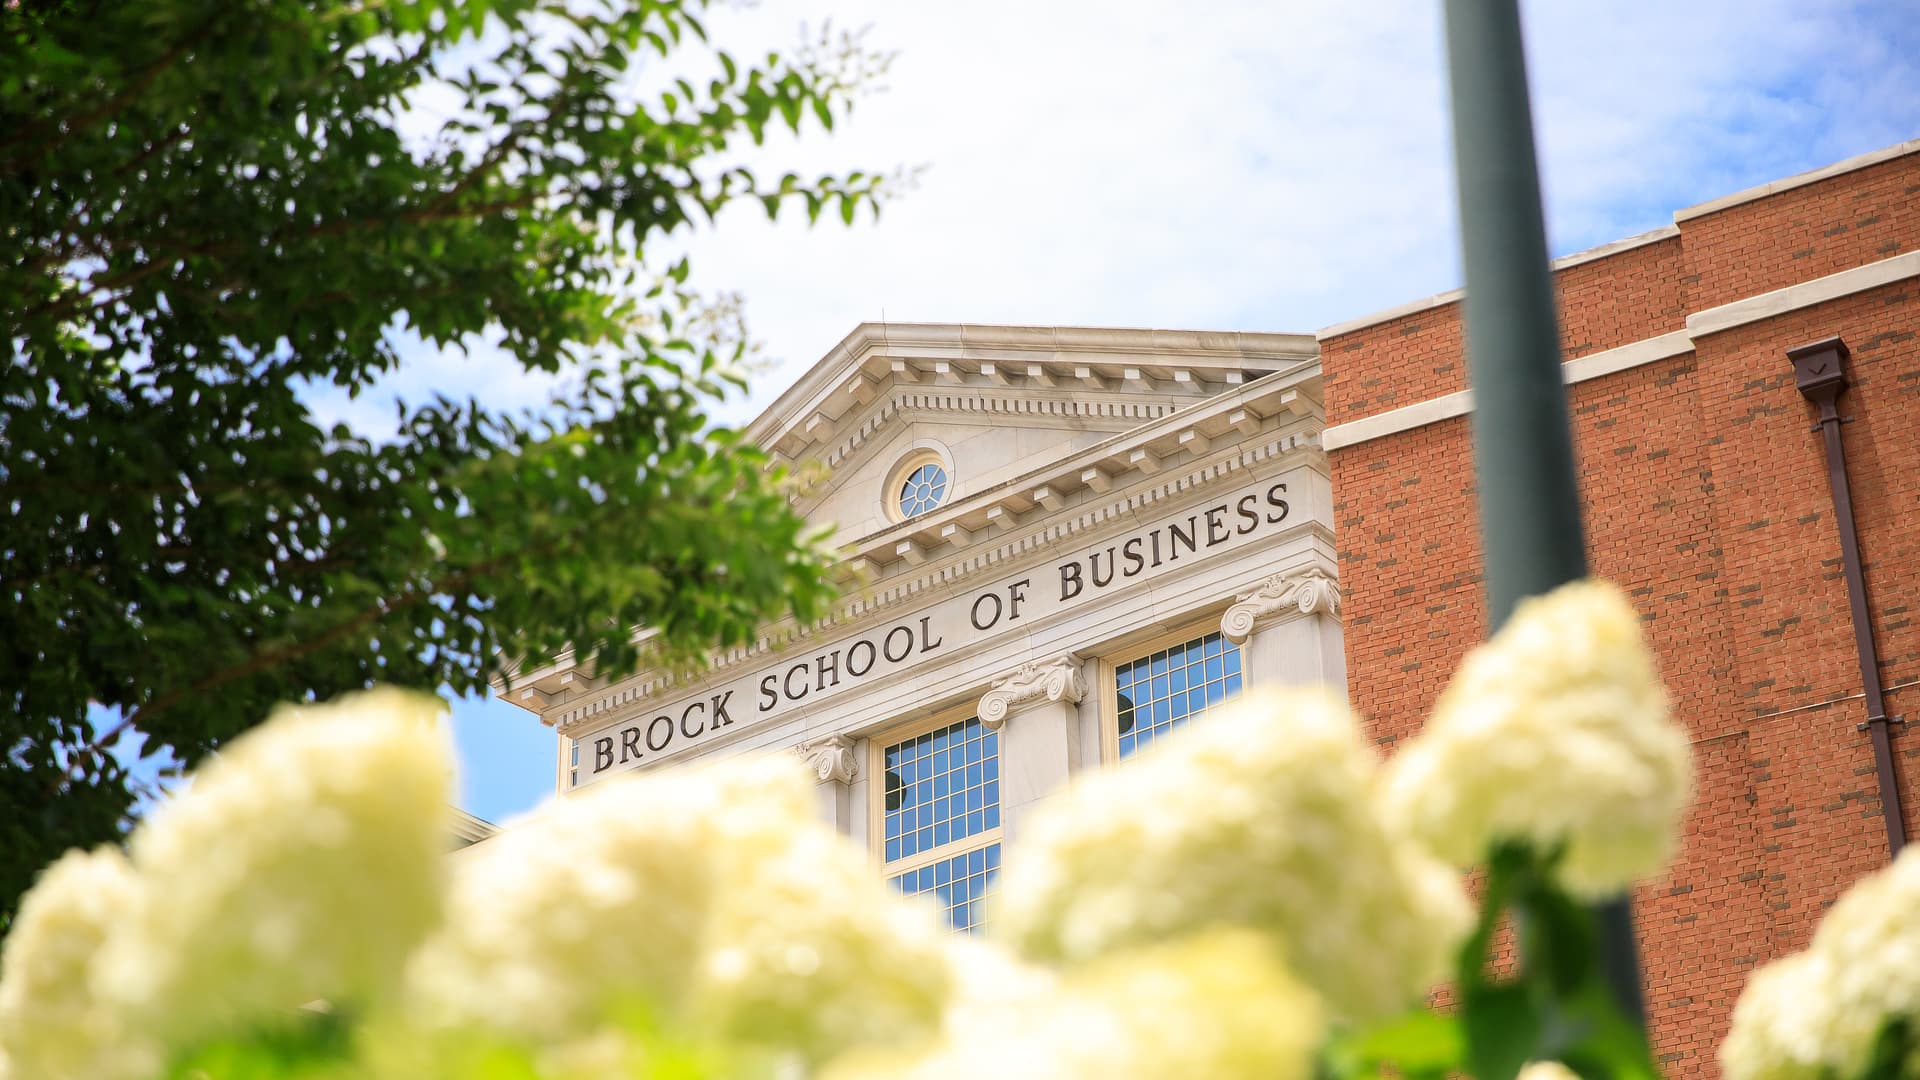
(303, 863)
(1817, 1013)
(1259, 817)
(1781, 1022)
(1214, 1005)
(813, 951)
(1555, 730)
(1547, 1070)
(705, 896)
(593, 902)
(52, 1025)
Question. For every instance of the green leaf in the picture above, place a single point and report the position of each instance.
(1894, 1051)
(1418, 1045)
(1503, 1031)
(1589, 1035)
(1558, 937)
(198, 547)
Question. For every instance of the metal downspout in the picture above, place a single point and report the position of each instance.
(1819, 370)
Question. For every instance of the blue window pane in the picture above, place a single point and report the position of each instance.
(1163, 690)
(922, 490)
(893, 846)
(991, 771)
(993, 816)
(977, 860)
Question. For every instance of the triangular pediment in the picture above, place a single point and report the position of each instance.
(989, 404)
(1048, 435)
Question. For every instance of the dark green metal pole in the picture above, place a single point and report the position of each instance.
(1522, 444)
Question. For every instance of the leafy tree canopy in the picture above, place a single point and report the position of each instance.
(210, 207)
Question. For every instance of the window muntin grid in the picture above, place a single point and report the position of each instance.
(923, 490)
(941, 786)
(960, 885)
(1164, 689)
(573, 764)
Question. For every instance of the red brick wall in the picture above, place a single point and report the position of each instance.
(1706, 497)
(1802, 233)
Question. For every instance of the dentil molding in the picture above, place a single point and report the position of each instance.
(1036, 682)
(1300, 592)
(832, 759)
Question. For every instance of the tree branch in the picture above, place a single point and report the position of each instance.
(112, 106)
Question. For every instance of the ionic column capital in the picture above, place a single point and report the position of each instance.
(831, 759)
(1036, 682)
(1298, 592)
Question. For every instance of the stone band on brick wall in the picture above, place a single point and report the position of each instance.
(1713, 320)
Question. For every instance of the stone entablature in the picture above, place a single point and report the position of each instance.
(1228, 524)
(1273, 418)
(1014, 596)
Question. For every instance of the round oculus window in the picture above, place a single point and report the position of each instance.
(923, 490)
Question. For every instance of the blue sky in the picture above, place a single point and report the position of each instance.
(1269, 166)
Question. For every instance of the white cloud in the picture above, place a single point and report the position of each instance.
(1250, 165)
(1245, 165)
(1268, 166)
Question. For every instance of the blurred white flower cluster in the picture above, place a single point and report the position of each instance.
(303, 864)
(1216, 1004)
(702, 898)
(1556, 730)
(1260, 818)
(1214, 907)
(1817, 1013)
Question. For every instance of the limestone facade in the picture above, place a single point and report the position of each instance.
(1108, 493)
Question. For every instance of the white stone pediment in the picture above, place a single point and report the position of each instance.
(1103, 430)
(990, 403)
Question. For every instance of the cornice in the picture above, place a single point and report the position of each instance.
(1000, 404)
(1186, 436)
(1812, 176)
(468, 830)
(1087, 518)
(1220, 436)
(949, 353)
